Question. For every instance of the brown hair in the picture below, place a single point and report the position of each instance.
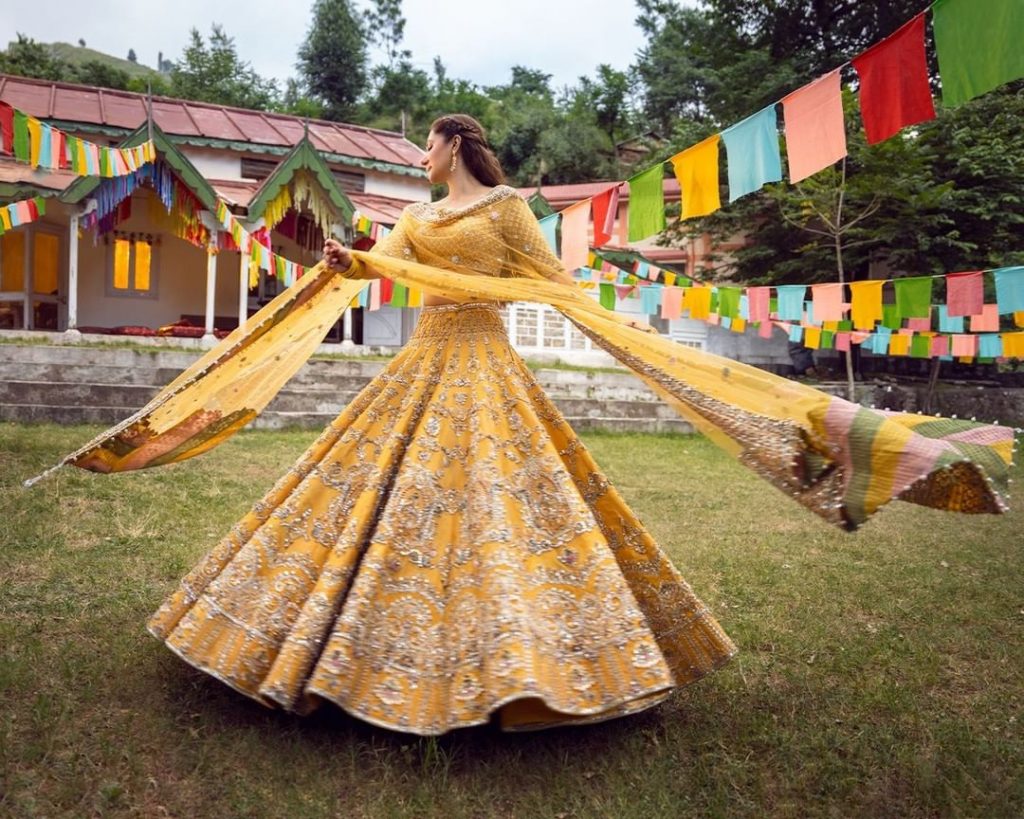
(474, 150)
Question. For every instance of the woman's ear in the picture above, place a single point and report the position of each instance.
(456, 142)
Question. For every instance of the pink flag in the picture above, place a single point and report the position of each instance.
(965, 346)
(623, 291)
(828, 302)
(606, 206)
(843, 342)
(758, 300)
(920, 325)
(765, 330)
(965, 293)
(671, 302)
(375, 294)
(575, 219)
(815, 130)
(940, 345)
(987, 321)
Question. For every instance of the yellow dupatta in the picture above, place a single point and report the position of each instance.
(840, 460)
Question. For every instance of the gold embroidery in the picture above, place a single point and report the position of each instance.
(445, 550)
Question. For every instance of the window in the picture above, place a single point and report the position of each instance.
(132, 266)
(30, 261)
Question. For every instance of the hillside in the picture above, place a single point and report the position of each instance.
(77, 55)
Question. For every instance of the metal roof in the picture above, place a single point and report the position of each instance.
(185, 119)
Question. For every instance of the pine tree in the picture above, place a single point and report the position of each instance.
(333, 59)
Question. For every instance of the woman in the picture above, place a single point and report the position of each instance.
(447, 550)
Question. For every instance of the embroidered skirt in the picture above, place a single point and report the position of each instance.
(447, 550)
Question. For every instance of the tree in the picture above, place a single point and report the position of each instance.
(131, 56)
(213, 72)
(387, 29)
(98, 73)
(332, 58)
(26, 58)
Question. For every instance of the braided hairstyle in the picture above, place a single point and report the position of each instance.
(474, 150)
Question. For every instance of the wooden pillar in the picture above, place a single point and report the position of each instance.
(73, 274)
(243, 288)
(211, 289)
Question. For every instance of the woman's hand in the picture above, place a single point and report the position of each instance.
(336, 255)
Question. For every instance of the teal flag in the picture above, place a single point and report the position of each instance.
(752, 147)
(979, 44)
(646, 204)
(548, 226)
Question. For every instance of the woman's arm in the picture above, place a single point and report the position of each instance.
(396, 244)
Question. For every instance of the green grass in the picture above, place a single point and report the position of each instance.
(880, 673)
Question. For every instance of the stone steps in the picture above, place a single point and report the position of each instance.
(82, 385)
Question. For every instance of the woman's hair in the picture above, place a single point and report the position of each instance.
(474, 151)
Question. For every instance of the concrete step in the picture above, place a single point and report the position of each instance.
(127, 396)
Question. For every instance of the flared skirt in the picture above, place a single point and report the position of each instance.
(445, 551)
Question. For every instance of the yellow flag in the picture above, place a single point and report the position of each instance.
(696, 169)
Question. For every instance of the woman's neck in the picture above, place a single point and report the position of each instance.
(463, 189)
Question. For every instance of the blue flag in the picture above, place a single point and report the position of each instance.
(752, 148)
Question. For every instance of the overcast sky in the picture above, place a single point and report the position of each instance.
(478, 40)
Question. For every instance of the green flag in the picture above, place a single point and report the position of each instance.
(914, 296)
(607, 296)
(729, 301)
(398, 295)
(891, 317)
(646, 204)
(979, 44)
(920, 347)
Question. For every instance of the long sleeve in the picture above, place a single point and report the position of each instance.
(528, 250)
(396, 244)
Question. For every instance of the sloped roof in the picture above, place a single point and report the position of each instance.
(18, 180)
(382, 209)
(561, 196)
(203, 123)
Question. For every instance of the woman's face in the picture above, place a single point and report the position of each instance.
(438, 159)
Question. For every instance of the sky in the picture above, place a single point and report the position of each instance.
(478, 40)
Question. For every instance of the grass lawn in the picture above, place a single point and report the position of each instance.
(880, 673)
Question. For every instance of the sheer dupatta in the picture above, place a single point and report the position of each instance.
(839, 459)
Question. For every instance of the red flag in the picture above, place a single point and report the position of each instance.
(894, 88)
(6, 128)
(605, 207)
(965, 294)
(386, 287)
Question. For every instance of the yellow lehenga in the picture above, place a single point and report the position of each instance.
(447, 549)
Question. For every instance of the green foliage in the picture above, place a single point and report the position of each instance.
(942, 196)
(26, 58)
(212, 72)
(332, 59)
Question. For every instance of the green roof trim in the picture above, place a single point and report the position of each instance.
(302, 157)
(19, 190)
(623, 259)
(186, 171)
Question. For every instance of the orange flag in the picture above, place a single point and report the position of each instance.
(696, 169)
(815, 130)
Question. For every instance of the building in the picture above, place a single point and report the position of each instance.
(136, 254)
(145, 255)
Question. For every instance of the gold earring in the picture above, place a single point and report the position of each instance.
(455, 162)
